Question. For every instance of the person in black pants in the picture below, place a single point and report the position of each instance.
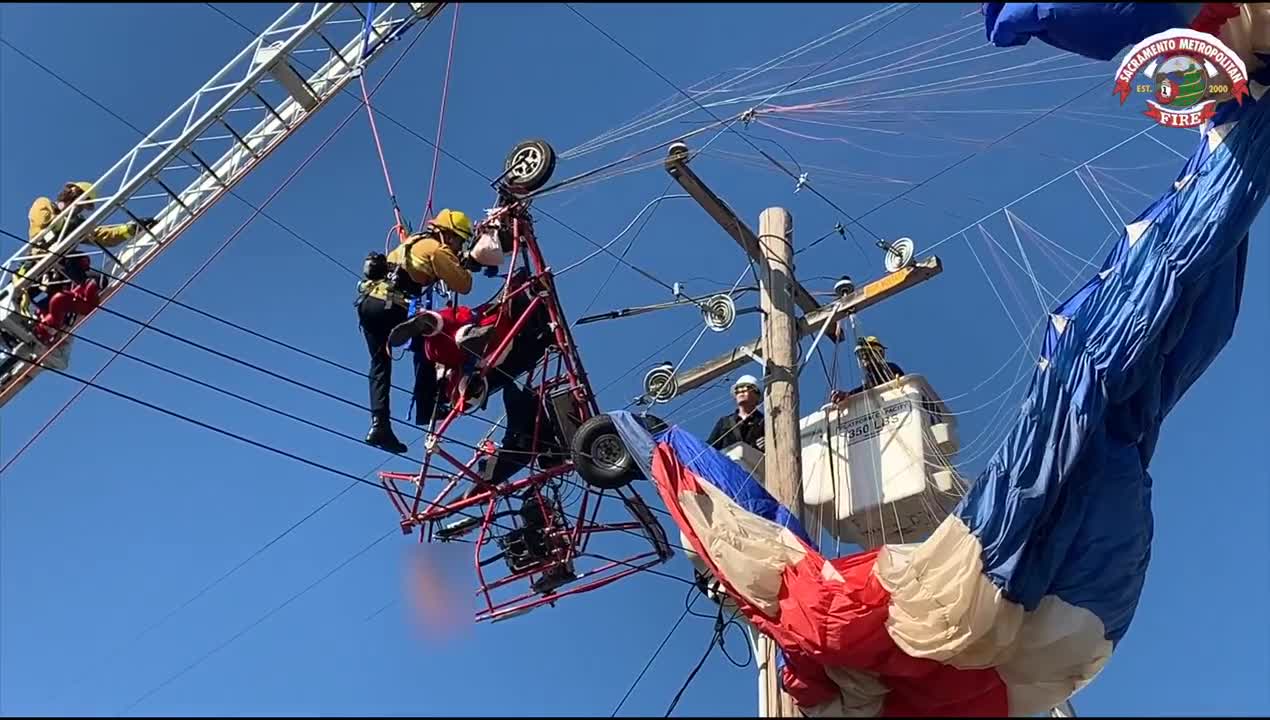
(377, 319)
(389, 282)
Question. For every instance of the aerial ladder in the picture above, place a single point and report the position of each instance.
(260, 88)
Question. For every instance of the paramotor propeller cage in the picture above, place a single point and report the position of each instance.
(533, 534)
(719, 312)
(899, 254)
(660, 383)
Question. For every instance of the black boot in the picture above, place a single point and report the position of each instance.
(382, 436)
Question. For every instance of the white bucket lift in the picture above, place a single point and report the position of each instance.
(877, 466)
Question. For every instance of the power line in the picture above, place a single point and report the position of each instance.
(142, 133)
(221, 431)
(257, 211)
(856, 221)
(277, 608)
(714, 639)
(707, 110)
(120, 352)
(649, 664)
(487, 178)
(223, 577)
(146, 324)
(216, 317)
(238, 437)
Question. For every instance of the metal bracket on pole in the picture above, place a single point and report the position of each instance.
(863, 297)
(677, 165)
(829, 320)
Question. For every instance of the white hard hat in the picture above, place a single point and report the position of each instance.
(744, 380)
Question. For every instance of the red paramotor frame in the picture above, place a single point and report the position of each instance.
(539, 528)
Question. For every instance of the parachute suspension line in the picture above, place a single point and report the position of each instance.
(445, 96)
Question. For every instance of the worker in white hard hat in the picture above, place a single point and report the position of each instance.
(745, 424)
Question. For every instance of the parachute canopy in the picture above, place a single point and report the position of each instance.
(1094, 30)
(1019, 597)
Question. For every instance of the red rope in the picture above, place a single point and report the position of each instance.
(188, 281)
(383, 161)
(445, 96)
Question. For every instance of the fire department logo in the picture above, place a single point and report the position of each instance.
(1184, 74)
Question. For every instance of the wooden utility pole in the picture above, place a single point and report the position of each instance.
(782, 451)
(778, 348)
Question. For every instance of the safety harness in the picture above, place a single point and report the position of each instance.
(389, 282)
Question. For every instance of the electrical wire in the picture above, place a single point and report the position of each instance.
(217, 317)
(288, 229)
(741, 135)
(258, 211)
(541, 211)
(120, 352)
(248, 440)
(808, 185)
(241, 438)
(714, 639)
(275, 610)
(649, 664)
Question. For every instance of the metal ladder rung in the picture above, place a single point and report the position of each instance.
(241, 86)
(343, 60)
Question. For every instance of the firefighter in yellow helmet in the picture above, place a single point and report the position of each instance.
(384, 295)
(61, 299)
(874, 367)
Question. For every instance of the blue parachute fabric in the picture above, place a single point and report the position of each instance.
(639, 443)
(1094, 30)
(1063, 506)
(709, 465)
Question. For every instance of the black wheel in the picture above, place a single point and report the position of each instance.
(529, 166)
(600, 456)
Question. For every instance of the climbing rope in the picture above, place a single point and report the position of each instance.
(403, 230)
(445, 95)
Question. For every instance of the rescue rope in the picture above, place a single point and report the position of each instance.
(402, 229)
(445, 96)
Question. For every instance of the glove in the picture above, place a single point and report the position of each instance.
(467, 263)
(147, 223)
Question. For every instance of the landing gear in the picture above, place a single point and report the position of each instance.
(529, 166)
(601, 458)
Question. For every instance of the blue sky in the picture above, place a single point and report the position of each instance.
(119, 515)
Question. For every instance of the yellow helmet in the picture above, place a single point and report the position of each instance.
(454, 221)
(871, 343)
(87, 188)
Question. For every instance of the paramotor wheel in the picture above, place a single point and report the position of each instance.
(600, 456)
(529, 166)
